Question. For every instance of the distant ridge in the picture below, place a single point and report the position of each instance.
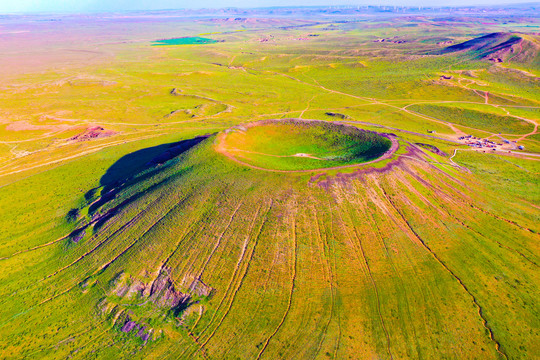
(498, 47)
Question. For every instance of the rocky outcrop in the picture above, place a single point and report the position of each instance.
(94, 132)
(139, 330)
(160, 292)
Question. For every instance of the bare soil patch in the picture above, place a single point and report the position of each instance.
(94, 132)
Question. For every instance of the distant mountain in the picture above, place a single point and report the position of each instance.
(498, 47)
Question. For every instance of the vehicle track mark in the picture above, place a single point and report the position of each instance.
(115, 233)
(328, 275)
(34, 248)
(265, 284)
(218, 240)
(293, 281)
(461, 283)
(233, 278)
(489, 238)
(104, 266)
(123, 227)
(373, 283)
(502, 219)
(334, 276)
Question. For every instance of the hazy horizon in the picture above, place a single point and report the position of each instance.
(129, 5)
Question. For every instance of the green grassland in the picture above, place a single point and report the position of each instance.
(150, 242)
(472, 118)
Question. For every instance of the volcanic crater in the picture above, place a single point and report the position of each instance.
(297, 145)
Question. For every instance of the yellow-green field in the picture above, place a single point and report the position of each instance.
(180, 201)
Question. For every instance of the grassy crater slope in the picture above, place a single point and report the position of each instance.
(294, 144)
(199, 257)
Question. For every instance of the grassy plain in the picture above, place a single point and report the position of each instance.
(138, 244)
(474, 118)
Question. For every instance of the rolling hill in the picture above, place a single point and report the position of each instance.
(498, 47)
(204, 256)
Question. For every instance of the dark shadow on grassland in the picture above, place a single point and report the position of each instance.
(128, 171)
(143, 159)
